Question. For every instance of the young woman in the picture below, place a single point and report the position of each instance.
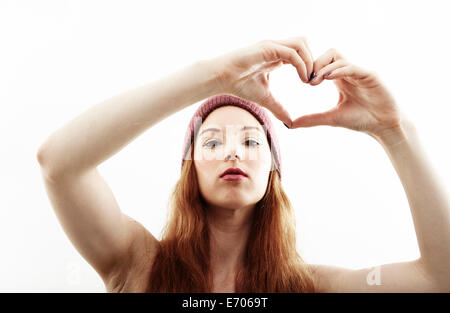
(231, 227)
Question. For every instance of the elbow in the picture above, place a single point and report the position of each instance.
(53, 165)
(40, 156)
(47, 170)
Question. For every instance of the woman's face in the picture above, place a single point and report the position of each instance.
(247, 149)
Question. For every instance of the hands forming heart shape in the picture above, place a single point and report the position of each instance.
(364, 103)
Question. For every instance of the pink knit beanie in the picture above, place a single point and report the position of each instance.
(217, 101)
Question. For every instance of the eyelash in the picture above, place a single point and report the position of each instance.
(210, 147)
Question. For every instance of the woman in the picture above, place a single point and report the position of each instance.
(234, 232)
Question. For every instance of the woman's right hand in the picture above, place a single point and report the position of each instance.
(245, 72)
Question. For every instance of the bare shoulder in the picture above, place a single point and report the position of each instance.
(131, 274)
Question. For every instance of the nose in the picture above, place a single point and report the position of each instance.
(233, 153)
(228, 157)
(233, 148)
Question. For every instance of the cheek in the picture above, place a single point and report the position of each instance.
(203, 154)
(205, 170)
(264, 159)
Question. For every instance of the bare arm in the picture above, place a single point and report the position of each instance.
(107, 127)
(83, 202)
(394, 277)
(366, 105)
(428, 199)
(430, 208)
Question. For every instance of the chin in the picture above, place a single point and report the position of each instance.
(233, 204)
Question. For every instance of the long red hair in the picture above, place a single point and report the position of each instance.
(272, 263)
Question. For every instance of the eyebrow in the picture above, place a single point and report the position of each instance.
(218, 130)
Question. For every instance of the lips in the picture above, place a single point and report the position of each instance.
(234, 171)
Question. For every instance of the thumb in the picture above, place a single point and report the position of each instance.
(316, 119)
(277, 109)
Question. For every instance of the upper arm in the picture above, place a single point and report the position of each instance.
(90, 216)
(394, 277)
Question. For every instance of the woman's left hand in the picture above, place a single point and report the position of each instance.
(364, 103)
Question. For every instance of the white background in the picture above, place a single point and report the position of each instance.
(58, 58)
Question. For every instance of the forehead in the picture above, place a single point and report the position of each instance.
(231, 116)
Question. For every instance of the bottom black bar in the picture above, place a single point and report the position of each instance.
(223, 302)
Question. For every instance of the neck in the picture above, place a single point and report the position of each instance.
(229, 230)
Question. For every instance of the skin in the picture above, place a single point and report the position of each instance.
(121, 249)
(364, 105)
(230, 204)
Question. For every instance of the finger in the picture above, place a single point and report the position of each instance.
(277, 109)
(310, 70)
(325, 70)
(330, 56)
(274, 52)
(310, 52)
(316, 119)
(300, 45)
(349, 71)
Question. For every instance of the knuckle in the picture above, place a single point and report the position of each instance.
(332, 51)
(301, 44)
(269, 52)
(294, 56)
(265, 48)
(336, 54)
(339, 55)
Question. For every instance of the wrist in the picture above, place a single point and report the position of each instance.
(394, 136)
(215, 75)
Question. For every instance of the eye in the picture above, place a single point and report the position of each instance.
(214, 143)
(254, 143)
(208, 144)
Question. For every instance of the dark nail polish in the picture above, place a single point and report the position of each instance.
(327, 74)
(313, 77)
(286, 125)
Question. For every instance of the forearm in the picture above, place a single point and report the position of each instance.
(107, 127)
(427, 196)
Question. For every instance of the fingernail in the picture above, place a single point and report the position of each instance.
(286, 126)
(313, 77)
(327, 74)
